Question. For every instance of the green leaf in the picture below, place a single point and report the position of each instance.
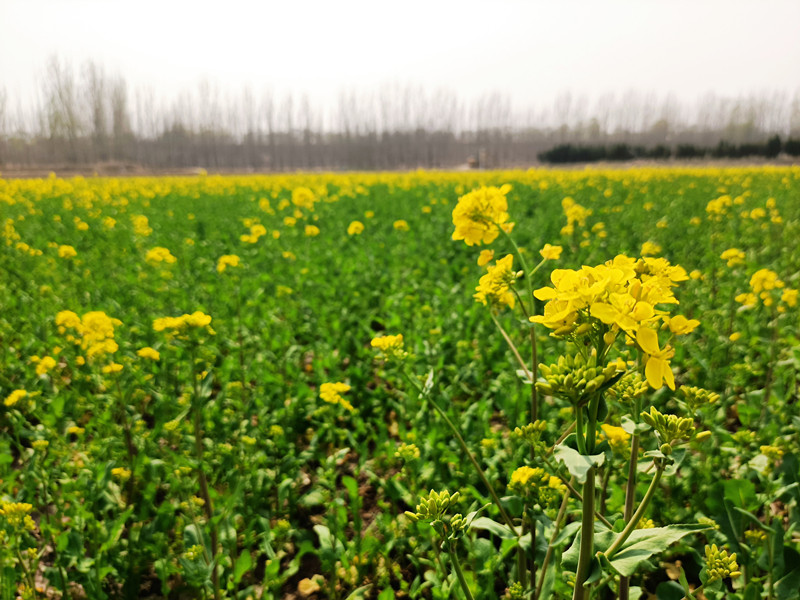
(669, 590)
(644, 543)
(741, 492)
(242, 566)
(387, 594)
(578, 464)
(315, 497)
(631, 427)
(494, 527)
(351, 485)
(603, 538)
(359, 592)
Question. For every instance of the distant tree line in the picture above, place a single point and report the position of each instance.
(87, 117)
(577, 153)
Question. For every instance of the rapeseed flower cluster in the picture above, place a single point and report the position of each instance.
(718, 208)
(44, 364)
(537, 486)
(149, 353)
(141, 225)
(734, 256)
(576, 215)
(302, 197)
(619, 295)
(227, 260)
(183, 324)
(94, 331)
(355, 228)
(332, 394)
(159, 255)
(257, 230)
(17, 513)
(14, 398)
(390, 346)
(765, 285)
(494, 288)
(479, 215)
(66, 251)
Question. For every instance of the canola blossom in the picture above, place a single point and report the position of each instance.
(623, 294)
(479, 215)
(495, 288)
(227, 260)
(332, 394)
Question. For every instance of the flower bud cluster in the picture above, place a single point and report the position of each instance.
(433, 507)
(630, 387)
(697, 398)
(671, 429)
(407, 452)
(719, 564)
(575, 378)
(514, 592)
(532, 435)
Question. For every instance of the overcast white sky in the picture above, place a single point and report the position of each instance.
(530, 50)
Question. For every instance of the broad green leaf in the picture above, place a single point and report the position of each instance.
(644, 543)
(494, 527)
(242, 566)
(578, 464)
(669, 590)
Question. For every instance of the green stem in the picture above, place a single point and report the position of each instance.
(469, 454)
(495, 498)
(513, 347)
(575, 492)
(579, 427)
(587, 537)
(201, 474)
(630, 494)
(562, 512)
(459, 572)
(631, 525)
(691, 595)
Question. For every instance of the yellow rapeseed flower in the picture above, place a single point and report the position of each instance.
(549, 252)
(650, 248)
(485, 257)
(617, 437)
(15, 397)
(391, 346)
(494, 288)
(227, 260)
(66, 251)
(45, 365)
(355, 228)
(148, 352)
(479, 214)
(332, 394)
(734, 257)
(159, 255)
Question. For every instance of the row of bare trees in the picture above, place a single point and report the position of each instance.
(86, 116)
